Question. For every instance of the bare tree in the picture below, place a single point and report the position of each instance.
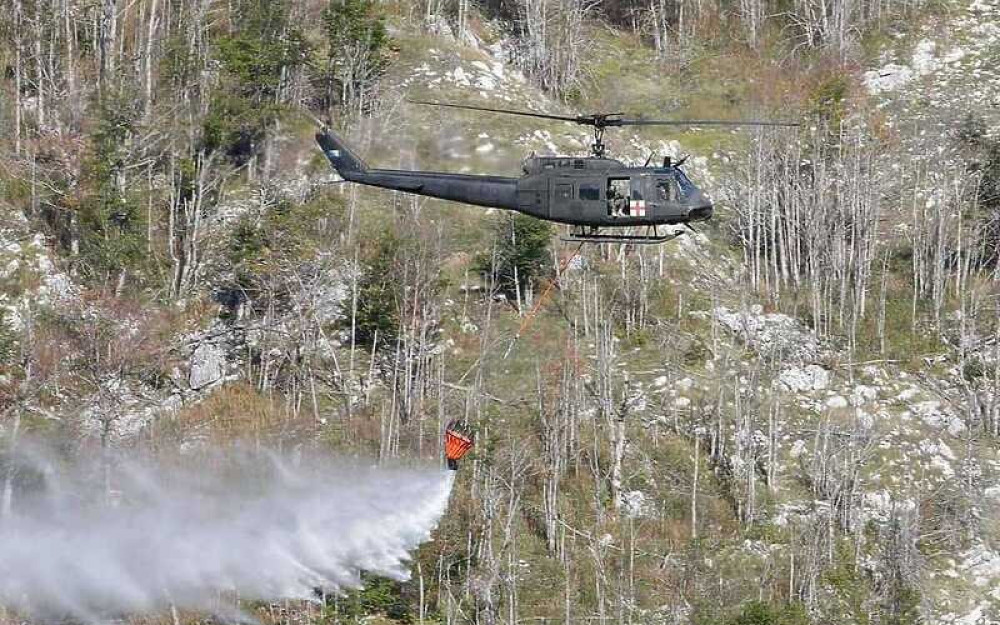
(551, 39)
(810, 222)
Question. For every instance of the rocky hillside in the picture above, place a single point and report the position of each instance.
(788, 416)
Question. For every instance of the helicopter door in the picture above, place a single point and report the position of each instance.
(618, 197)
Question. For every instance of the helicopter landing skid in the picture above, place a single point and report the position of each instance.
(594, 235)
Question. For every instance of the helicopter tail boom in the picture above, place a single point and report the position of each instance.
(347, 163)
(489, 191)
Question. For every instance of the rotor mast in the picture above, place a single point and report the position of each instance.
(599, 122)
(598, 146)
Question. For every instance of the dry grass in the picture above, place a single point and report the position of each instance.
(236, 412)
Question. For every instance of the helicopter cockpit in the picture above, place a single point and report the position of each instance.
(639, 196)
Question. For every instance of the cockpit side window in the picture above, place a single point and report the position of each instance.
(667, 189)
(564, 192)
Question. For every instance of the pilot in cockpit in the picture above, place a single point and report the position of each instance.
(666, 189)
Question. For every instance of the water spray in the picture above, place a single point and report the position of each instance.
(181, 533)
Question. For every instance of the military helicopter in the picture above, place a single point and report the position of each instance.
(599, 196)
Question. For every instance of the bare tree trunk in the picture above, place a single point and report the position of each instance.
(552, 444)
(618, 457)
(694, 487)
(107, 41)
(70, 63)
(8, 486)
(18, 78)
(39, 29)
(148, 57)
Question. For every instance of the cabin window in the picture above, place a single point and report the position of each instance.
(578, 164)
(618, 187)
(590, 192)
(564, 192)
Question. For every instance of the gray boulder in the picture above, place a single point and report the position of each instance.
(208, 365)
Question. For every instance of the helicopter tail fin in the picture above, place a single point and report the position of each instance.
(340, 156)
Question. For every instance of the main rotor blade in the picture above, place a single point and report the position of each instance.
(562, 118)
(606, 120)
(696, 122)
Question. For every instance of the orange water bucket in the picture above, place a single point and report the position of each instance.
(456, 445)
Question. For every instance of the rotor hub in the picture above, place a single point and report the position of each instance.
(598, 147)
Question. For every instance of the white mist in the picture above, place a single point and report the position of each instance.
(183, 533)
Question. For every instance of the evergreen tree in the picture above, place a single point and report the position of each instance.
(357, 52)
(257, 58)
(522, 253)
(112, 223)
(376, 321)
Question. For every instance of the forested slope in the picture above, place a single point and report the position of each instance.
(790, 416)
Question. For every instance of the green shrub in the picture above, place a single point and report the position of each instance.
(378, 310)
(760, 613)
(8, 342)
(522, 252)
(988, 199)
(983, 154)
(828, 100)
(973, 369)
(285, 237)
(377, 596)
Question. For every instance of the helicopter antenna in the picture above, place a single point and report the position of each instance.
(601, 121)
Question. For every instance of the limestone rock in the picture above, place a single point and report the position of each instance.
(208, 365)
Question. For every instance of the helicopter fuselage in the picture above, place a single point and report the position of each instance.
(604, 192)
(593, 192)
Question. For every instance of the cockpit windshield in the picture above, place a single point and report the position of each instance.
(687, 187)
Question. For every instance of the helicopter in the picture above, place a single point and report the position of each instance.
(603, 199)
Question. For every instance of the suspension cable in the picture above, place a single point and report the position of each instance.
(530, 317)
